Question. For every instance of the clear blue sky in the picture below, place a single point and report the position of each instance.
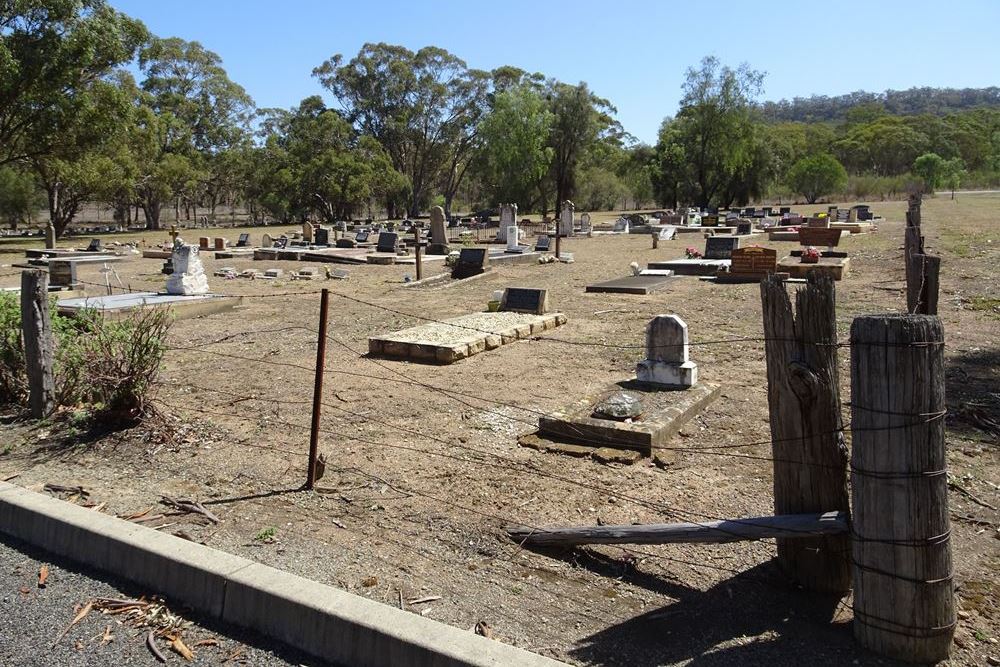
(632, 52)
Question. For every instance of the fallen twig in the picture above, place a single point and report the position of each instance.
(151, 645)
(191, 506)
(76, 619)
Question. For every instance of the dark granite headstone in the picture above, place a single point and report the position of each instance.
(387, 242)
(321, 236)
(710, 221)
(471, 262)
(819, 236)
(361, 237)
(784, 209)
(95, 245)
(525, 300)
(744, 228)
(721, 247)
(542, 243)
(244, 240)
(768, 211)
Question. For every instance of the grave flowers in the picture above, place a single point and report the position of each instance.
(810, 255)
(692, 253)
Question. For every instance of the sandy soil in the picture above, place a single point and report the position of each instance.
(423, 468)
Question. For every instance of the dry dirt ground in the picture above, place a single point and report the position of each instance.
(423, 467)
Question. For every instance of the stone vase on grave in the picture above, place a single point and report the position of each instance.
(188, 277)
(667, 364)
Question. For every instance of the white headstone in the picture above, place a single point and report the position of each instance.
(508, 219)
(585, 226)
(667, 363)
(512, 243)
(189, 274)
(566, 219)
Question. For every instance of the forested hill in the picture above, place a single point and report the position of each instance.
(936, 101)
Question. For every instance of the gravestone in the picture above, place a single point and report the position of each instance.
(819, 236)
(439, 233)
(387, 242)
(471, 262)
(362, 237)
(710, 221)
(220, 243)
(667, 233)
(784, 209)
(818, 221)
(322, 236)
(50, 236)
(566, 219)
(266, 241)
(189, 274)
(94, 246)
(542, 243)
(667, 363)
(203, 243)
(307, 231)
(63, 274)
(273, 273)
(585, 226)
(508, 219)
(753, 262)
(675, 219)
(621, 225)
(525, 300)
(721, 247)
(243, 241)
(744, 228)
(768, 211)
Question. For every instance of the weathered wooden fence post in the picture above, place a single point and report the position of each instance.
(39, 345)
(803, 392)
(904, 603)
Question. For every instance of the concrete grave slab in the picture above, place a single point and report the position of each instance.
(835, 267)
(182, 306)
(691, 267)
(456, 338)
(632, 285)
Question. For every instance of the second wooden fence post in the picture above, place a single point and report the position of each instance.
(39, 344)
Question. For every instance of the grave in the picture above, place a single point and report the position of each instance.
(690, 267)
(459, 337)
(749, 265)
(586, 227)
(188, 277)
(471, 262)
(835, 267)
(243, 241)
(543, 243)
(710, 221)
(744, 228)
(721, 247)
(439, 233)
(621, 225)
(220, 243)
(666, 233)
(321, 236)
(638, 415)
(119, 305)
(93, 246)
(566, 219)
(508, 219)
(388, 242)
(525, 300)
(640, 284)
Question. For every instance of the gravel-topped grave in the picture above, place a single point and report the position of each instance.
(448, 341)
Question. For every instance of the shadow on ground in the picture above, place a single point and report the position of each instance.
(755, 617)
(973, 394)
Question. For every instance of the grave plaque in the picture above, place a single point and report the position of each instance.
(361, 237)
(525, 300)
(721, 247)
(753, 261)
(744, 228)
(243, 241)
(321, 236)
(819, 236)
(471, 262)
(387, 242)
(710, 221)
(542, 243)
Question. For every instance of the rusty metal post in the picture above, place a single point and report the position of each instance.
(324, 307)
(419, 255)
(558, 237)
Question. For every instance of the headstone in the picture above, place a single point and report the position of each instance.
(266, 241)
(203, 243)
(744, 228)
(387, 242)
(243, 241)
(307, 231)
(566, 219)
(768, 211)
(721, 247)
(50, 236)
(784, 209)
(621, 225)
(94, 246)
(361, 237)
(543, 243)
(667, 363)
(62, 274)
(439, 233)
(471, 262)
(273, 273)
(819, 236)
(508, 219)
(321, 236)
(672, 219)
(818, 221)
(512, 244)
(525, 300)
(667, 233)
(585, 226)
(710, 221)
(753, 262)
(189, 274)
(220, 243)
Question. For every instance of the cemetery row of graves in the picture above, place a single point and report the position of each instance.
(639, 437)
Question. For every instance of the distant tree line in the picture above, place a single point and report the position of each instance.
(411, 129)
(912, 102)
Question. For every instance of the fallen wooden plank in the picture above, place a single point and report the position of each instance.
(729, 530)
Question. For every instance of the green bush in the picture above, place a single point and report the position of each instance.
(106, 365)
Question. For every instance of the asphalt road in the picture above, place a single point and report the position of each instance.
(33, 617)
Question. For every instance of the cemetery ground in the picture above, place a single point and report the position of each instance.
(423, 469)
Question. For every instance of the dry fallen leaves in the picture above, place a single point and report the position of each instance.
(76, 619)
(179, 647)
(43, 575)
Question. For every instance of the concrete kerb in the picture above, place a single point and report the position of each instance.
(323, 621)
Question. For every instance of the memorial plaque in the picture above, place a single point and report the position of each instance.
(819, 236)
(710, 221)
(471, 262)
(721, 247)
(753, 261)
(387, 242)
(744, 228)
(361, 237)
(525, 300)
